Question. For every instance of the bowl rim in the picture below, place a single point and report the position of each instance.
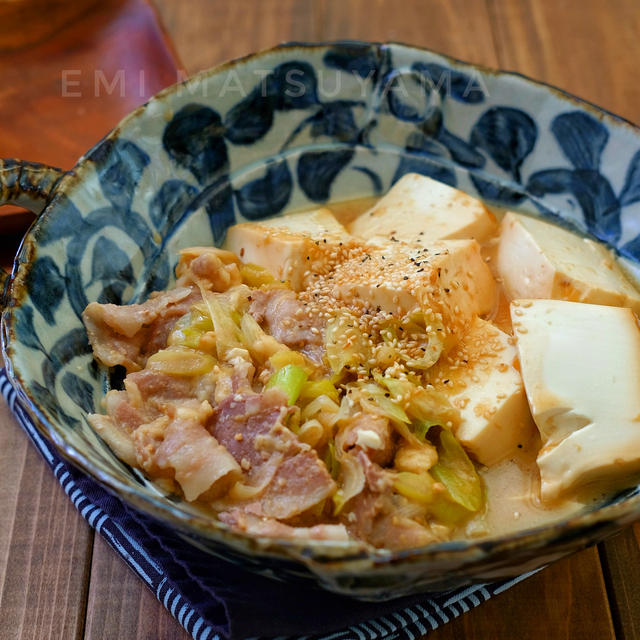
(618, 513)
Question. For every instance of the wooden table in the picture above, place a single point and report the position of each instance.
(59, 581)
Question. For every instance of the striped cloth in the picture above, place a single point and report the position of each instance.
(215, 600)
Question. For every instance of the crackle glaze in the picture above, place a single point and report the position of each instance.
(288, 128)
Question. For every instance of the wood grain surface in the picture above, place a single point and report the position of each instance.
(80, 588)
(45, 547)
(82, 66)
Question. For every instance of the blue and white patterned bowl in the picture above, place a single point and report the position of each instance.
(285, 129)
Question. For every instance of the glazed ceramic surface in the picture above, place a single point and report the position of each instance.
(290, 128)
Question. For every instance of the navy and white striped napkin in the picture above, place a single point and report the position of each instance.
(213, 599)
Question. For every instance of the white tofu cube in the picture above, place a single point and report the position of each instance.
(419, 209)
(293, 253)
(581, 370)
(316, 223)
(481, 381)
(449, 277)
(539, 260)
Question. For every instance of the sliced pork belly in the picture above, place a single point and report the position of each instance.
(268, 527)
(208, 267)
(372, 434)
(201, 464)
(118, 438)
(382, 518)
(149, 394)
(126, 335)
(378, 520)
(285, 317)
(288, 474)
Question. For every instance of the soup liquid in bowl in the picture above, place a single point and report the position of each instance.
(327, 378)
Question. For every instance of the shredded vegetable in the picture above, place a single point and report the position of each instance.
(286, 356)
(457, 473)
(421, 428)
(261, 345)
(421, 404)
(373, 397)
(345, 345)
(256, 276)
(352, 480)
(181, 361)
(418, 487)
(228, 334)
(366, 376)
(289, 379)
(189, 329)
(315, 388)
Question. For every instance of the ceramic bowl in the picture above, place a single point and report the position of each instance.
(285, 129)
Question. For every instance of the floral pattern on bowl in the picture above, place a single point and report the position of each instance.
(285, 129)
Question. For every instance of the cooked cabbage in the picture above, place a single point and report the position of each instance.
(458, 474)
(290, 379)
(346, 347)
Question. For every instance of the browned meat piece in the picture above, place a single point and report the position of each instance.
(382, 518)
(240, 419)
(268, 527)
(117, 437)
(128, 334)
(377, 519)
(159, 387)
(126, 414)
(149, 394)
(200, 462)
(284, 317)
(289, 473)
(211, 268)
(300, 482)
(371, 433)
(182, 448)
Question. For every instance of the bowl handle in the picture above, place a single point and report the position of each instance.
(27, 184)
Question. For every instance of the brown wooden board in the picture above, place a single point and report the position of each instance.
(120, 606)
(591, 51)
(45, 547)
(587, 47)
(80, 68)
